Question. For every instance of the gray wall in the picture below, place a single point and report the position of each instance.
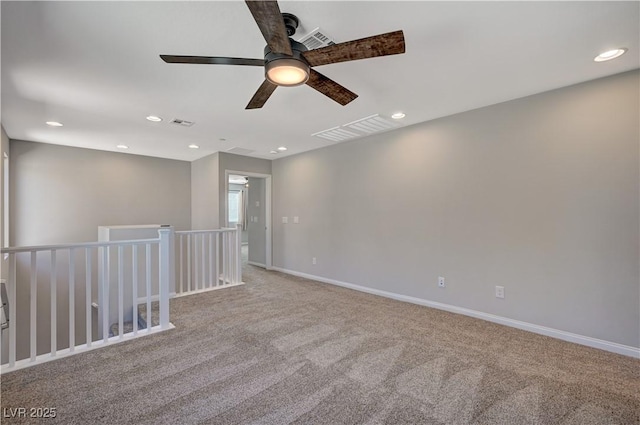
(257, 233)
(539, 195)
(205, 193)
(62, 194)
(209, 184)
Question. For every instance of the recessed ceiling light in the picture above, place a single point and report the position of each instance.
(154, 118)
(398, 115)
(54, 123)
(282, 149)
(122, 146)
(273, 152)
(192, 146)
(610, 54)
(222, 139)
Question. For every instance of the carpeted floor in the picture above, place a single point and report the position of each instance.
(281, 350)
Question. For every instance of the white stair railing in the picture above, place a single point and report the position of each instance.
(208, 259)
(29, 268)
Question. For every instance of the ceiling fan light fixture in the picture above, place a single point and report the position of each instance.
(287, 72)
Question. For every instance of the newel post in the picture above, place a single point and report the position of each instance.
(165, 277)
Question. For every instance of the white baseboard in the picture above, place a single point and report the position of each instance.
(253, 263)
(601, 344)
(213, 288)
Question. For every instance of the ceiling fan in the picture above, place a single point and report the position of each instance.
(289, 63)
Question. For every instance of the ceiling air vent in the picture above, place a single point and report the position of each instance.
(240, 151)
(359, 128)
(372, 124)
(316, 39)
(336, 134)
(183, 123)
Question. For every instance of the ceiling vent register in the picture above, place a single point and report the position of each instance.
(183, 123)
(359, 128)
(316, 39)
(240, 151)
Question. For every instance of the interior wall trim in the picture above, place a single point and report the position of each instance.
(601, 344)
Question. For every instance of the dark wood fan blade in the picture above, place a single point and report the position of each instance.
(391, 43)
(269, 19)
(262, 95)
(330, 88)
(211, 60)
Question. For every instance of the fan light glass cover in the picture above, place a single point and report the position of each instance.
(287, 72)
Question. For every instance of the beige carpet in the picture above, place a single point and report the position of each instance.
(282, 350)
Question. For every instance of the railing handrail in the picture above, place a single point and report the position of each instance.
(190, 232)
(37, 248)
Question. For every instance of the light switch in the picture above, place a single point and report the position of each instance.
(285, 220)
(296, 220)
(257, 203)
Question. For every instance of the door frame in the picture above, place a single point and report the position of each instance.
(267, 207)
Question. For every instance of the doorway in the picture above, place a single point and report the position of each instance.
(248, 204)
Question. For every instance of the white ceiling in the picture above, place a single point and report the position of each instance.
(94, 66)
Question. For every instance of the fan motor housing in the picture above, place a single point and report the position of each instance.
(274, 61)
(297, 48)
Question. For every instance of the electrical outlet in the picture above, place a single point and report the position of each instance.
(499, 291)
(441, 282)
(313, 260)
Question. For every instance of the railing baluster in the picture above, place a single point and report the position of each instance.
(224, 258)
(239, 256)
(163, 285)
(203, 265)
(148, 276)
(211, 260)
(181, 264)
(120, 292)
(11, 289)
(88, 284)
(189, 262)
(195, 262)
(134, 286)
(234, 257)
(72, 301)
(229, 251)
(54, 293)
(33, 295)
(105, 294)
(217, 259)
